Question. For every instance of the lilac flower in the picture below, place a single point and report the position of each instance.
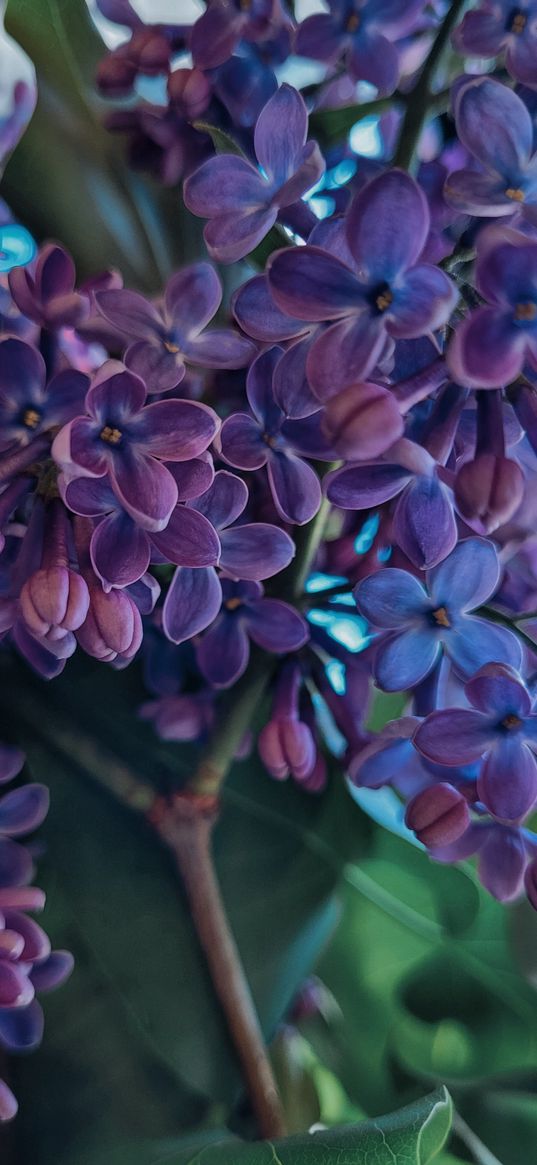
(45, 290)
(362, 31)
(166, 338)
(492, 344)
(423, 622)
(129, 442)
(214, 35)
(502, 730)
(387, 295)
(265, 439)
(496, 128)
(241, 201)
(502, 857)
(500, 26)
(29, 406)
(224, 651)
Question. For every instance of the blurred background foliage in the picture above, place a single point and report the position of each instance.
(422, 979)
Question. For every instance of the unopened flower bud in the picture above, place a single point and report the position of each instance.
(489, 490)
(438, 815)
(362, 421)
(189, 92)
(113, 626)
(54, 598)
(287, 746)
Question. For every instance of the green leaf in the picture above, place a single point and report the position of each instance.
(331, 125)
(412, 1136)
(68, 179)
(222, 141)
(136, 1035)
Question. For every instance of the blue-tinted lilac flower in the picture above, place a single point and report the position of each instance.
(424, 621)
(129, 440)
(251, 442)
(492, 344)
(363, 32)
(246, 615)
(386, 296)
(501, 728)
(29, 407)
(165, 338)
(499, 26)
(215, 34)
(496, 128)
(241, 201)
(45, 291)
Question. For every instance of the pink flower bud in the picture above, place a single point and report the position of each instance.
(189, 92)
(113, 626)
(362, 421)
(489, 490)
(287, 746)
(438, 815)
(54, 598)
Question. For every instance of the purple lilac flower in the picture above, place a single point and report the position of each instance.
(246, 614)
(251, 442)
(165, 338)
(215, 34)
(497, 26)
(496, 128)
(241, 201)
(502, 729)
(389, 295)
(502, 853)
(29, 406)
(424, 621)
(45, 292)
(492, 344)
(129, 440)
(363, 32)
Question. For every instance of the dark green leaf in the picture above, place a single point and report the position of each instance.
(222, 141)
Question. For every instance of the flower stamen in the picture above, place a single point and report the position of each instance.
(111, 435)
(31, 418)
(525, 311)
(515, 194)
(440, 617)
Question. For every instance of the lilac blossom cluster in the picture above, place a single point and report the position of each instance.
(373, 384)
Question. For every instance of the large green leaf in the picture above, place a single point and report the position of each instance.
(67, 178)
(412, 1136)
(136, 1034)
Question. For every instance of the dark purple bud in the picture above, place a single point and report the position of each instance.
(489, 490)
(362, 421)
(438, 815)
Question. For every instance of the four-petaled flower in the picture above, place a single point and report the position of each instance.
(500, 25)
(363, 30)
(28, 405)
(246, 614)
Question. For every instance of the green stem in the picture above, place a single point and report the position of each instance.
(421, 98)
(481, 1154)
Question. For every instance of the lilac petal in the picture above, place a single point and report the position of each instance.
(225, 184)
(89, 496)
(255, 551)
(120, 551)
(145, 488)
(225, 499)
(276, 626)
(189, 539)
(422, 303)
(241, 442)
(455, 736)
(37, 655)
(223, 653)
(21, 1028)
(65, 396)
(193, 478)
(130, 313)
(292, 391)
(506, 268)
(295, 488)
(192, 602)
(219, 348)
(16, 864)
(52, 973)
(311, 167)
(16, 989)
(313, 285)
(424, 523)
(468, 577)
(21, 898)
(255, 311)
(11, 762)
(214, 36)
(319, 37)
(159, 369)
(375, 59)
(36, 942)
(8, 1104)
(497, 690)
(475, 642)
(374, 221)
(474, 193)
(507, 783)
(259, 389)
(176, 430)
(280, 134)
(359, 487)
(495, 126)
(22, 373)
(22, 810)
(116, 394)
(231, 236)
(193, 297)
(520, 60)
(501, 864)
(145, 593)
(390, 598)
(78, 443)
(487, 350)
(403, 660)
(481, 33)
(344, 354)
